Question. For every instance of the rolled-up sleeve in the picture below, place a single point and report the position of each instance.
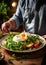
(17, 16)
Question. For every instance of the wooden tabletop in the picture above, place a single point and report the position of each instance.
(32, 61)
(36, 58)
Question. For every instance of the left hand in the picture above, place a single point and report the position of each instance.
(44, 36)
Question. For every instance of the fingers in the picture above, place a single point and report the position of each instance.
(5, 27)
(8, 26)
(44, 36)
(4, 30)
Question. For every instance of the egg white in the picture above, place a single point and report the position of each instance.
(19, 37)
(16, 38)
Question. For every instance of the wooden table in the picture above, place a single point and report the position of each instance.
(32, 61)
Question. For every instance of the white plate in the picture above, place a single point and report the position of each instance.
(24, 51)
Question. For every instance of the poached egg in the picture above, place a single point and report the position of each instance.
(21, 37)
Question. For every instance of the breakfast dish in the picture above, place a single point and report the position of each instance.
(23, 42)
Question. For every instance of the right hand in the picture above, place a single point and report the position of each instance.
(8, 26)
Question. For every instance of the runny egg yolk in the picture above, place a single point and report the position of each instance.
(24, 36)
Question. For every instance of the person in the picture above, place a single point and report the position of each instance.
(31, 14)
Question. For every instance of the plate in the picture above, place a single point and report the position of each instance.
(24, 51)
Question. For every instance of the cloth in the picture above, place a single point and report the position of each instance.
(33, 18)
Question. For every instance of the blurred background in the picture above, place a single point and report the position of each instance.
(7, 8)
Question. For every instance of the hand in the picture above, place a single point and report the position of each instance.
(44, 36)
(8, 26)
